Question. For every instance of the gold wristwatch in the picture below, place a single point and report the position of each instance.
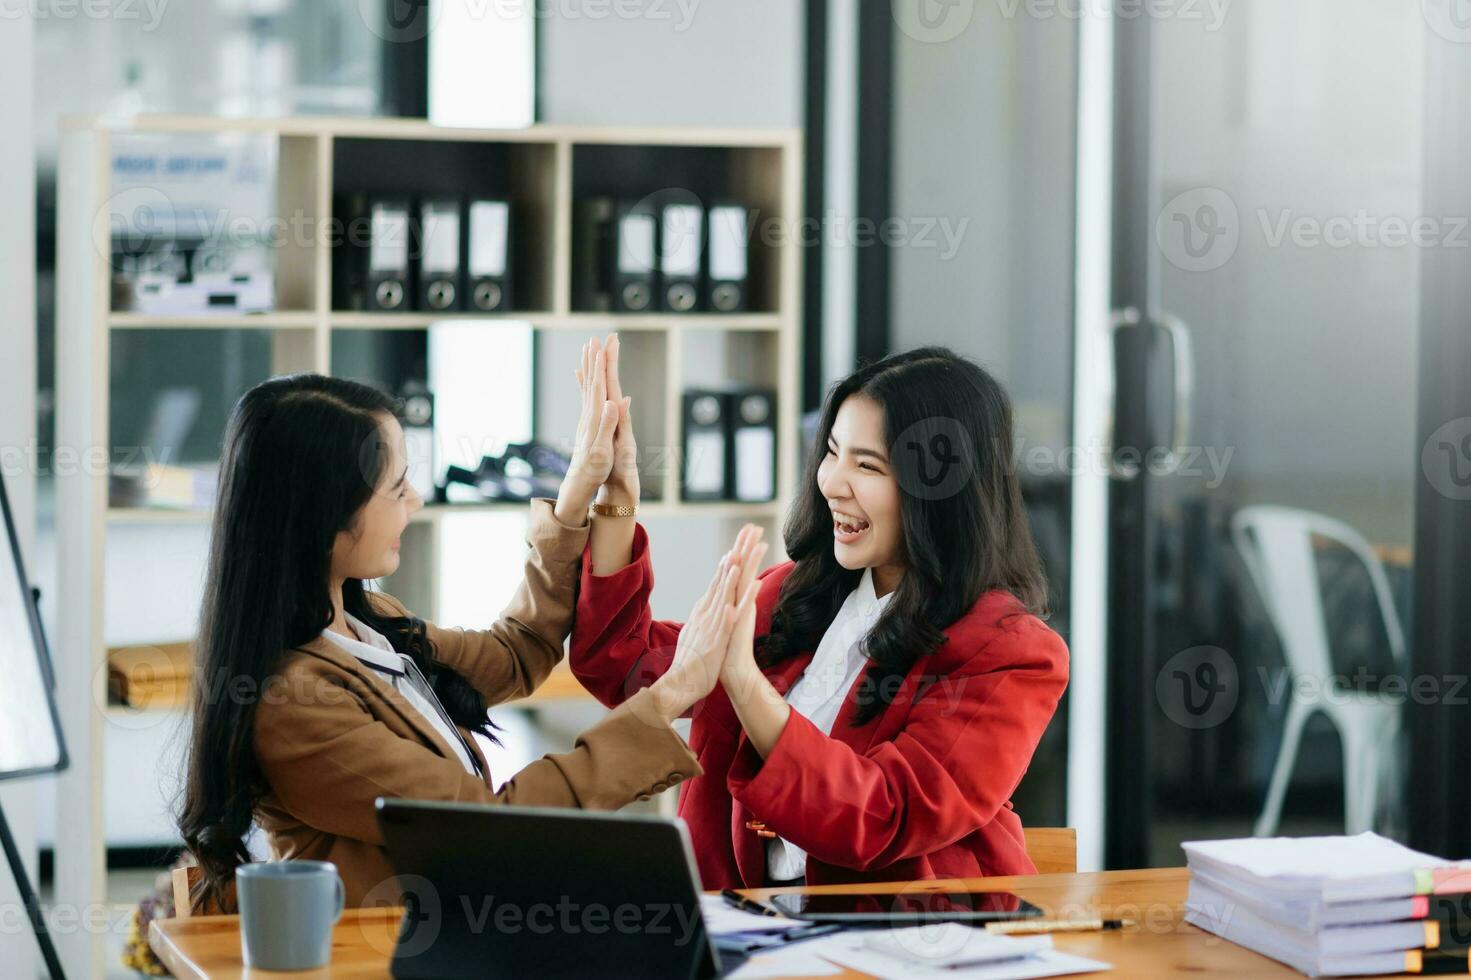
(614, 510)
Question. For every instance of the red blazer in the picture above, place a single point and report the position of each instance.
(921, 791)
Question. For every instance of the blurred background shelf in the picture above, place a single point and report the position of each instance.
(286, 320)
(564, 321)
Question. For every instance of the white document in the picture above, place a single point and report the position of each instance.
(797, 960)
(952, 950)
(722, 918)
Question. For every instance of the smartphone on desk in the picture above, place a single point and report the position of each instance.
(909, 908)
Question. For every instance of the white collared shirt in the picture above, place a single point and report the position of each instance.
(822, 689)
(373, 649)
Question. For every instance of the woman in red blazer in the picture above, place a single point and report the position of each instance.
(882, 700)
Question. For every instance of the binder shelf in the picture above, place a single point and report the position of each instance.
(317, 171)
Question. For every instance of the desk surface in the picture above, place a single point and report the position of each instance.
(1161, 945)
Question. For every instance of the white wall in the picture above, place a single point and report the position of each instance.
(692, 62)
(18, 390)
(1306, 353)
(984, 143)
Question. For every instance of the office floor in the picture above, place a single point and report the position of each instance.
(124, 889)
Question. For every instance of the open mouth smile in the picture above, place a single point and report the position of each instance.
(848, 528)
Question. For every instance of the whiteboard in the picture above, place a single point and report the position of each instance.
(30, 732)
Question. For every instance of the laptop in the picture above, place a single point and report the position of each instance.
(512, 892)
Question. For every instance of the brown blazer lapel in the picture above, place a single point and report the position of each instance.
(325, 649)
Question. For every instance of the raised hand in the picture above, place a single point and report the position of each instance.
(592, 446)
(622, 486)
(740, 666)
(762, 711)
(703, 641)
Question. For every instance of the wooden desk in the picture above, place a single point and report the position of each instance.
(1161, 945)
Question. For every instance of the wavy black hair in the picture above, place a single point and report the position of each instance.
(302, 455)
(948, 426)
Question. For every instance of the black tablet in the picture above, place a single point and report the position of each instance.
(504, 892)
(908, 908)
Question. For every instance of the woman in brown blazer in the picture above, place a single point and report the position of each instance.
(315, 696)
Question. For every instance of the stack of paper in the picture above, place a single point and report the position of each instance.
(1334, 906)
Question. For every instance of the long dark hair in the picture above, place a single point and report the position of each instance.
(302, 455)
(948, 426)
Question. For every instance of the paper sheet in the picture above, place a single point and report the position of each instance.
(722, 918)
(917, 954)
(797, 960)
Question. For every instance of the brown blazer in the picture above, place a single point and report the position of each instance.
(331, 736)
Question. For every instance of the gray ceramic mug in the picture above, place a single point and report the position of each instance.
(287, 911)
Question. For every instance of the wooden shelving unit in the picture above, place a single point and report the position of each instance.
(543, 169)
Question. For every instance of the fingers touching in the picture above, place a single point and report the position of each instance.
(612, 346)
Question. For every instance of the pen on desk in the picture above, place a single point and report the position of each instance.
(745, 904)
(1024, 927)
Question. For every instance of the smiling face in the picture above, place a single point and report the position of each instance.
(859, 485)
(369, 547)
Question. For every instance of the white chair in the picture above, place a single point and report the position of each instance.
(1276, 544)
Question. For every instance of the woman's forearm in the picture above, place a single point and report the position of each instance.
(762, 711)
(612, 543)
